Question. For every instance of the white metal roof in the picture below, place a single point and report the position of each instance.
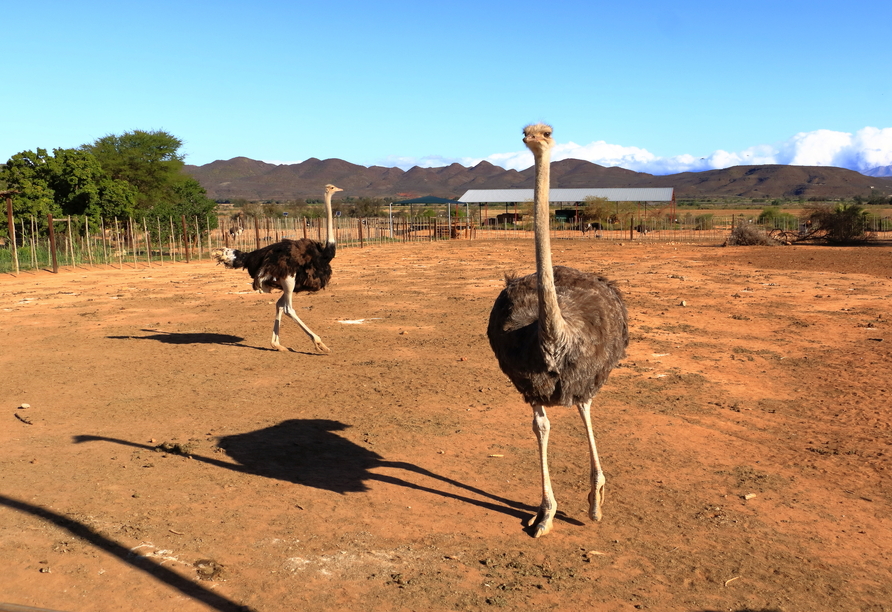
(647, 194)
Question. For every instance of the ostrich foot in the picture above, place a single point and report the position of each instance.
(320, 346)
(541, 523)
(595, 501)
(279, 347)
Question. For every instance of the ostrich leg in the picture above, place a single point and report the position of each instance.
(284, 305)
(541, 523)
(596, 495)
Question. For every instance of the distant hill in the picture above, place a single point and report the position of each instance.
(241, 177)
(882, 171)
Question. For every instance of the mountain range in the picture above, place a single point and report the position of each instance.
(879, 171)
(254, 180)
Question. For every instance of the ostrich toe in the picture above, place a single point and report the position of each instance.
(595, 501)
(541, 523)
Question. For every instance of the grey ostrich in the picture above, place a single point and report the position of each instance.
(557, 334)
(289, 265)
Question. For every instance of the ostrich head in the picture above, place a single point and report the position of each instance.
(537, 138)
(330, 189)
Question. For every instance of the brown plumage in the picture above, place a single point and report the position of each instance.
(291, 266)
(557, 334)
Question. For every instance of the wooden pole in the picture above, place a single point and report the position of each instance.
(15, 252)
(104, 240)
(185, 238)
(33, 240)
(198, 238)
(131, 239)
(145, 230)
(118, 243)
(160, 241)
(71, 243)
(53, 244)
(170, 240)
(87, 235)
(256, 234)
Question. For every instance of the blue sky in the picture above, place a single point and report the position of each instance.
(652, 86)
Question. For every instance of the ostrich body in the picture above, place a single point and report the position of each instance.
(289, 265)
(557, 334)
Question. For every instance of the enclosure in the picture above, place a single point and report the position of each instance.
(169, 459)
(78, 241)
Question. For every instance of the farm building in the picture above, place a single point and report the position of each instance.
(648, 195)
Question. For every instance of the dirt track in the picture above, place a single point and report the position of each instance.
(170, 461)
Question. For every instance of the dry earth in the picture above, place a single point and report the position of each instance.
(169, 460)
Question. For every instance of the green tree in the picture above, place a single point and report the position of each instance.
(28, 174)
(597, 209)
(367, 207)
(82, 188)
(147, 160)
(69, 182)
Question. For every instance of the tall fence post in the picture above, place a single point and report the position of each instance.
(185, 238)
(49, 217)
(15, 253)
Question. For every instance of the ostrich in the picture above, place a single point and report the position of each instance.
(557, 334)
(289, 265)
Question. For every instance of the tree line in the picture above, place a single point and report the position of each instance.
(137, 175)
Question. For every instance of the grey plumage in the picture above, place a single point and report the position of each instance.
(596, 339)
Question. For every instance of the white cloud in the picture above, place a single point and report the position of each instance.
(865, 149)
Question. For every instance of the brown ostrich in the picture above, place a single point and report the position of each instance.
(289, 265)
(557, 334)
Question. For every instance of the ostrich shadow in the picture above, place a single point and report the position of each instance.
(201, 338)
(307, 452)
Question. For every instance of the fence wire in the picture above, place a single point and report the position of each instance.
(78, 242)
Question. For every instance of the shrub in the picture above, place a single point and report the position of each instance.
(703, 222)
(773, 217)
(844, 224)
(746, 234)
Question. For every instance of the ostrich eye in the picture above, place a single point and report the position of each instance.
(548, 134)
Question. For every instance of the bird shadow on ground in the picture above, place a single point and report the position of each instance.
(185, 338)
(307, 452)
(186, 586)
(203, 338)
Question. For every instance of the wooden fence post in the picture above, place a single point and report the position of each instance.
(185, 238)
(53, 244)
(15, 252)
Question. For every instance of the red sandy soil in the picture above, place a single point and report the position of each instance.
(170, 460)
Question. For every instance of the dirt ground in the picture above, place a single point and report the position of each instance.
(170, 460)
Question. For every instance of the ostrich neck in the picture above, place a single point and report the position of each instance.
(550, 319)
(329, 226)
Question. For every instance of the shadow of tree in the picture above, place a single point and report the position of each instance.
(160, 573)
(308, 452)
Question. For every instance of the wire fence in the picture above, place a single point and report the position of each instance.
(76, 242)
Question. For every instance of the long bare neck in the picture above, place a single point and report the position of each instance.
(329, 225)
(550, 319)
